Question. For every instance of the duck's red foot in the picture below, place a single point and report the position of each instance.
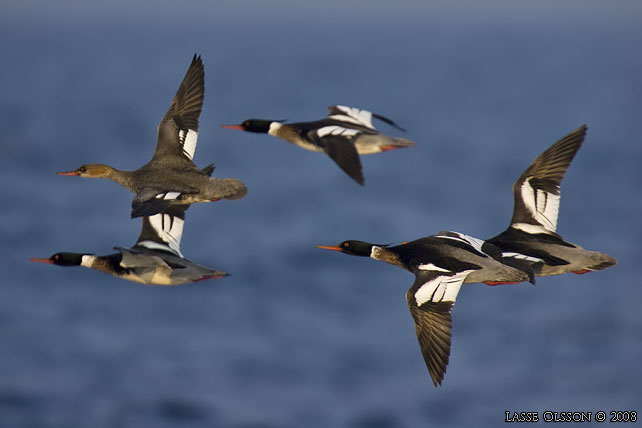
(215, 199)
(499, 282)
(388, 148)
(581, 272)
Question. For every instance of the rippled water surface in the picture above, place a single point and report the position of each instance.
(299, 337)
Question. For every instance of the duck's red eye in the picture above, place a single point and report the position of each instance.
(56, 257)
(346, 244)
(82, 169)
(246, 123)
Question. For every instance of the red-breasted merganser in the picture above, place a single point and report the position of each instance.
(344, 134)
(531, 236)
(155, 259)
(171, 177)
(441, 264)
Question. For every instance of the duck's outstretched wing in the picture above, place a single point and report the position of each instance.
(344, 153)
(537, 190)
(152, 201)
(163, 231)
(358, 116)
(178, 130)
(430, 300)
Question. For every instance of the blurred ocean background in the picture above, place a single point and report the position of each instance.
(297, 336)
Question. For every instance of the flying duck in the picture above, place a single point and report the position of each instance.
(531, 237)
(344, 134)
(155, 259)
(441, 264)
(171, 177)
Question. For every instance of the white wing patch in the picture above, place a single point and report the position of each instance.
(336, 130)
(473, 242)
(530, 228)
(168, 195)
(354, 115)
(431, 267)
(153, 245)
(542, 205)
(188, 142)
(169, 230)
(522, 257)
(442, 288)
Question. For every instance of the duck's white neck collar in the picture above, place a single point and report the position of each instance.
(274, 127)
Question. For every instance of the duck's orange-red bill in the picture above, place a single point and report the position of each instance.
(239, 127)
(334, 248)
(33, 259)
(68, 173)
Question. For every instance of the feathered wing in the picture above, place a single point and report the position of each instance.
(344, 153)
(152, 201)
(358, 116)
(430, 300)
(352, 115)
(466, 240)
(178, 130)
(337, 141)
(163, 231)
(537, 190)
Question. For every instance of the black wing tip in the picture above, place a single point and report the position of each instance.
(437, 368)
(209, 169)
(345, 155)
(388, 121)
(553, 163)
(142, 212)
(355, 174)
(522, 265)
(334, 109)
(437, 378)
(147, 209)
(176, 211)
(579, 133)
(434, 343)
(196, 64)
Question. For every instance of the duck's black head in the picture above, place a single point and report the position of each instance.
(62, 259)
(252, 125)
(352, 247)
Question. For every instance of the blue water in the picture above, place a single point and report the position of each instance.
(299, 337)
